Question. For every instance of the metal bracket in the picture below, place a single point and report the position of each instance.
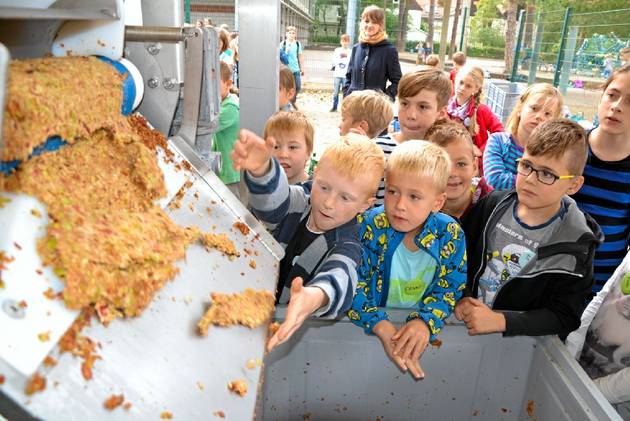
(192, 84)
(201, 63)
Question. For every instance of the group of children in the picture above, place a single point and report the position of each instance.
(416, 219)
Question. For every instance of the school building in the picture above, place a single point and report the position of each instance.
(298, 13)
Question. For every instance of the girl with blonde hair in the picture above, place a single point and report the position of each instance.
(540, 102)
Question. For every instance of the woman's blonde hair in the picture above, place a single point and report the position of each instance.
(537, 89)
(477, 74)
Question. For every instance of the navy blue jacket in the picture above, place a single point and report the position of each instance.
(371, 66)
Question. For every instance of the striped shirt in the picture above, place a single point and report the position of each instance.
(387, 144)
(499, 161)
(330, 261)
(605, 195)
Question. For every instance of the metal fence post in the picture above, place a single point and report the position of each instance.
(568, 59)
(444, 32)
(535, 59)
(519, 40)
(461, 36)
(563, 42)
(351, 20)
(187, 11)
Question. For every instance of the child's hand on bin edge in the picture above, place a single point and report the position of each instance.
(304, 302)
(411, 341)
(253, 153)
(463, 305)
(480, 318)
(384, 330)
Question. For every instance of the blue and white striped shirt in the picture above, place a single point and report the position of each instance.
(330, 261)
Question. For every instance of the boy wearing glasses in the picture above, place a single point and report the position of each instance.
(530, 250)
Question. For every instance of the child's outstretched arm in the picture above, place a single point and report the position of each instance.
(271, 197)
(494, 168)
(328, 294)
(252, 153)
(304, 301)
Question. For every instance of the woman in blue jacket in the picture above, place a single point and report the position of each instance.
(374, 60)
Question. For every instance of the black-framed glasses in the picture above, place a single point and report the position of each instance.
(525, 168)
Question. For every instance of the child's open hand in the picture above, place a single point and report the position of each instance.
(385, 330)
(411, 341)
(252, 153)
(480, 318)
(304, 301)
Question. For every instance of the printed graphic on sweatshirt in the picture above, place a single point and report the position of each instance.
(511, 247)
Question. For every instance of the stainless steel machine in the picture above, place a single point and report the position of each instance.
(157, 361)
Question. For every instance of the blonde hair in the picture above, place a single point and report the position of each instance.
(286, 80)
(288, 122)
(431, 79)
(433, 60)
(445, 132)
(477, 74)
(459, 58)
(291, 28)
(344, 37)
(537, 89)
(560, 138)
(372, 106)
(374, 14)
(421, 159)
(357, 158)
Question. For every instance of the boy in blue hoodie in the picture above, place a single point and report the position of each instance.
(413, 256)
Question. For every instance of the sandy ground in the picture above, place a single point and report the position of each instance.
(315, 103)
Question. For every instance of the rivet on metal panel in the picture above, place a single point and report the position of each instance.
(13, 309)
(170, 83)
(153, 82)
(154, 49)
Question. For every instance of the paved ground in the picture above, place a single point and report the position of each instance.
(316, 98)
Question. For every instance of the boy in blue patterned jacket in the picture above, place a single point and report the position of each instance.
(315, 222)
(413, 255)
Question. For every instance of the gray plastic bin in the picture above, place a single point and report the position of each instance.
(333, 371)
(501, 97)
